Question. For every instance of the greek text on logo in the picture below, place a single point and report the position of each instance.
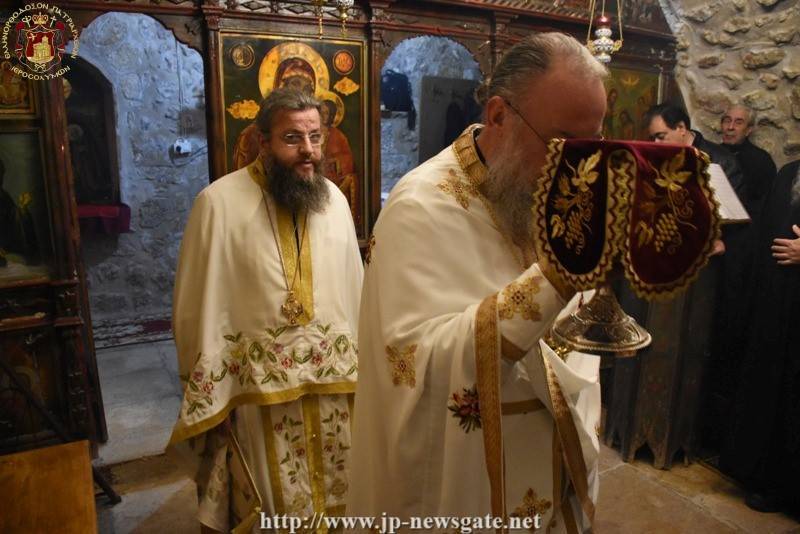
(39, 33)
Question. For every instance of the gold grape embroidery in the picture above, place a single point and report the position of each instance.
(575, 207)
(665, 210)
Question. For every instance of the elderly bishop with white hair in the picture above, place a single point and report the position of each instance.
(461, 409)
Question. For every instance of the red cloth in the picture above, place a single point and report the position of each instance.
(105, 218)
(648, 205)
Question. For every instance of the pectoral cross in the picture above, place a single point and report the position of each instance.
(292, 309)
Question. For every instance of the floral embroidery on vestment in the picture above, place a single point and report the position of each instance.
(267, 360)
(466, 408)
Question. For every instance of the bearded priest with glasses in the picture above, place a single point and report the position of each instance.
(461, 409)
(265, 313)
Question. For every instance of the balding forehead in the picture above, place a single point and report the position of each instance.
(744, 110)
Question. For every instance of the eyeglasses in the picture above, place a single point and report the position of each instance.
(515, 110)
(534, 130)
(296, 139)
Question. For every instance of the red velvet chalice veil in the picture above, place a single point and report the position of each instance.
(648, 205)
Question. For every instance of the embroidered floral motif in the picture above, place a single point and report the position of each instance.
(266, 360)
(518, 297)
(575, 207)
(459, 189)
(334, 446)
(291, 432)
(466, 408)
(667, 211)
(532, 506)
(370, 246)
(403, 370)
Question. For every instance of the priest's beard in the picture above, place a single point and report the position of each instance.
(294, 192)
(509, 187)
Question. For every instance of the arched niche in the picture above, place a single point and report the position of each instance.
(427, 99)
(91, 128)
(158, 96)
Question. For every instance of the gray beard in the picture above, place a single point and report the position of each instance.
(510, 190)
(294, 192)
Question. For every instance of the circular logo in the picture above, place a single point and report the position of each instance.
(243, 56)
(39, 34)
(344, 62)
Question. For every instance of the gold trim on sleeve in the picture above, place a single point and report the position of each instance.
(509, 351)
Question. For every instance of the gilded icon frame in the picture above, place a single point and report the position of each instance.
(23, 107)
(252, 64)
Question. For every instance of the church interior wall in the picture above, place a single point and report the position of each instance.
(743, 52)
(400, 144)
(130, 275)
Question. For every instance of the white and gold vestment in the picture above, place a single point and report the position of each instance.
(289, 387)
(443, 425)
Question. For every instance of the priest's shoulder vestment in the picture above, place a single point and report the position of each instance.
(444, 425)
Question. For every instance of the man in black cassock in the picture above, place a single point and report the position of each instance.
(735, 290)
(759, 169)
(762, 448)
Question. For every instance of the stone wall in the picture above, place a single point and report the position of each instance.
(417, 57)
(741, 51)
(131, 276)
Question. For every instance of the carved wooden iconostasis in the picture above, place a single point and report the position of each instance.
(45, 337)
(250, 47)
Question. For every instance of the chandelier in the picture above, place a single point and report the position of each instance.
(602, 46)
(342, 7)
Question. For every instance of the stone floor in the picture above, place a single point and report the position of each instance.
(141, 395)
(141, 392)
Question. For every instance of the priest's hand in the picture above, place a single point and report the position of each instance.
(787, 251)
(719, 248)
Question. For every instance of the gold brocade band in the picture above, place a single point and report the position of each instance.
(570, 442)
(304, 288)
(567, 513)
(313, 432)
(259, 398)
(487, 361)
(304, 285)
(272, 460)
(558, 481)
